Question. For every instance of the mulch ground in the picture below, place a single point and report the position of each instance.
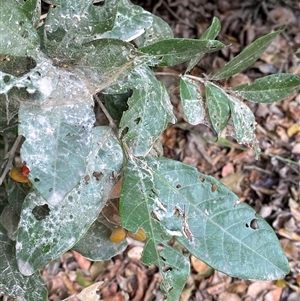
(270, 184)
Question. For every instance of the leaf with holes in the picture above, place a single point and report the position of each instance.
(244, 124)
(218, 106)
(191, 101)
(203, 215)
(70, 23)
(46, 232)
(12, 283)
(247, 57)
(270, 88)
(149, 99)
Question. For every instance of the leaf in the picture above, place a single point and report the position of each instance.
(130, 23)
(149, 112)
(172, 52)
(14, 284)
(204, 216)
(209, 34)
(90, 293)
(41, 239)
(17, 35)
(244, 124)
(32, 9)
(247, 57)
(57, 128)
(191, 100)
(158, 31)
(71, 23)
(218, 106)
(104, 61)
(95, 244)
(135, 208)
(9, 221)
(270, 88)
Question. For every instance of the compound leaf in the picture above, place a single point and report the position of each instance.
(172, 52)
(204, 216)
(270, 88)
(46, 232)
(12, 283)
(247, 57)
(191, 101)
(218, 106)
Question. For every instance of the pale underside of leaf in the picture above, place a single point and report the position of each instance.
(41, 240)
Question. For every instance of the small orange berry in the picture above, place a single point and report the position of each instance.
(140, 235)
(118, 235)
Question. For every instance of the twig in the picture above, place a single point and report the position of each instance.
(106, 113)
(10, 155)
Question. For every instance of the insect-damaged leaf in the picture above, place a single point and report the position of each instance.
(17, 35)
(218, 106)
(41, 238)
(149, 100)
(135, 209)
(270, 88)
(203, 215)
(12, 283)
(247, 57)
(71, 23)
(191, 101)
(244, 123)
(58, 134)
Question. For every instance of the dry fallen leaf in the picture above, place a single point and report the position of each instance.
(90, 293)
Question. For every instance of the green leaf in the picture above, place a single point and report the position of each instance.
(43, 238)
(172, 52)
(104, 61)
(17, 35)
(95, 244)
(71, 23)
(116, 104)
(60, 128)
(136, 205)
(159, 30)
(149, 112)
(218, 106)
(32, 9)
(270, 88)
(209, 34)
(12, 282)
(130, 23)
(247, 57)
(9, 220)
(191, 100)
(244, 124)
(16, 193)
(204, 216)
